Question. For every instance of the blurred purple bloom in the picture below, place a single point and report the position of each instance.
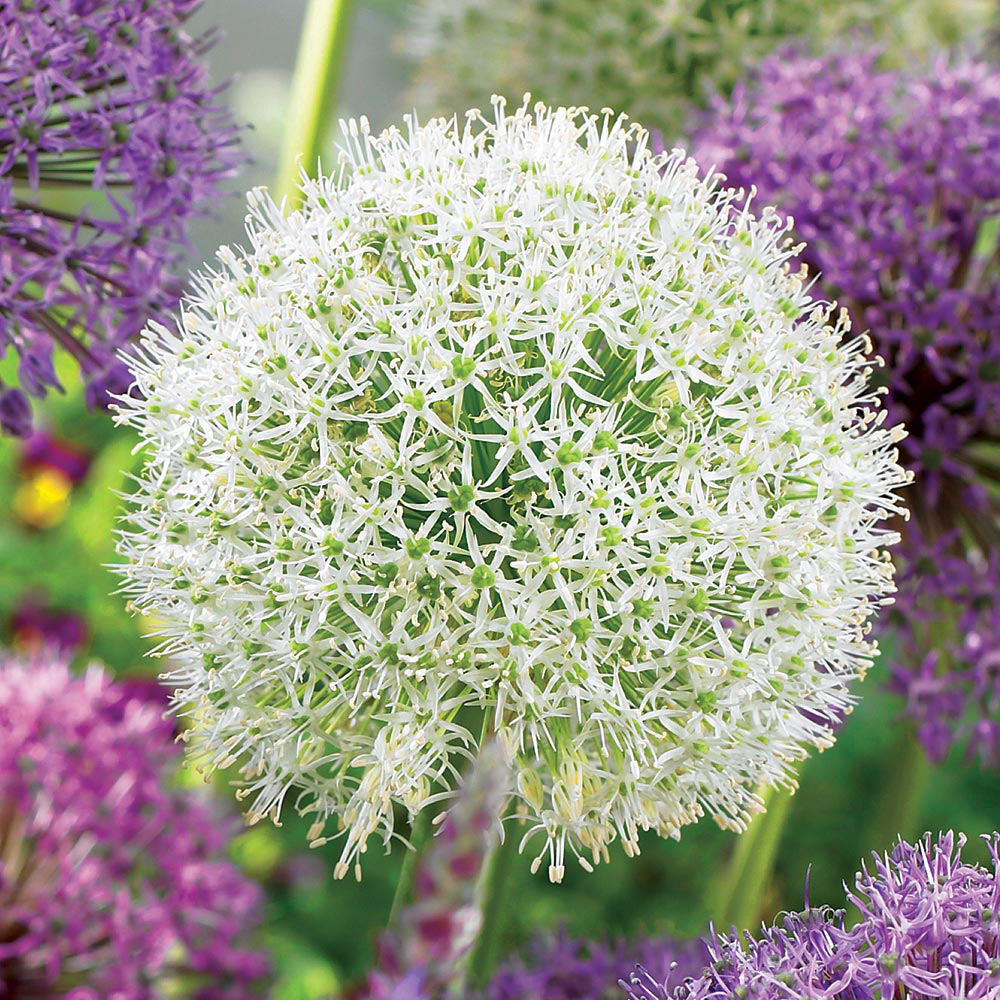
(948, 668)
(35, 627)
(893, 180)
(565, 968)
(111, 140)
(15, 412)
(41, 450)
(113, 882)
(929, 930)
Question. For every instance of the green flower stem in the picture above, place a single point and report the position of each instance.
(494, 899)
(314, 90)
(897, 811)
(904, 782)
(419, 835)
(736, 898)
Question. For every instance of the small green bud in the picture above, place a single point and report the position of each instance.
(612, 535)
(519, 634)
(417, 548)
(461, 497)
(698, 601)
(332, 547)
(429, 586)
(525, 539)
(643, 608)
(568, 454)
(658, 567)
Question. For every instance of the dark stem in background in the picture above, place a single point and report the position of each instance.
(898, 810)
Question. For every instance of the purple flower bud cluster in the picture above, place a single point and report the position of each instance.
(929, 930)
(421, 955)
(113, 882)
(893, 181)
(560, 967)
(111, 140)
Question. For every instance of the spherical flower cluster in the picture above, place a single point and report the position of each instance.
(929, 930)
(893, 180)
(113, 883)
(651, 59)
(110, 141)
(560, 967)
(516, 428)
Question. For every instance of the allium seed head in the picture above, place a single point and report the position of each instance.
(518, 428)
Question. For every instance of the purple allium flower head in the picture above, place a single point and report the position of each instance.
(893, 180)
(111, 139)
(929, 930)
(560, 967)
(42, 450)
(113, 883)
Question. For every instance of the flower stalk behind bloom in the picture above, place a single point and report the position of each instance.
(432, 937)
(512, 427)
(314, 91)
(735, 894)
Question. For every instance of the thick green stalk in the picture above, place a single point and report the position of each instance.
(494, 898)
(419, 834)
(314, 90)
(737, 897)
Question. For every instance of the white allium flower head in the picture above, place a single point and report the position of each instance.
(517, 428)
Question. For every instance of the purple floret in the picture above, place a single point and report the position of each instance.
(893, 180)
(929, 930)
(111, 140)
(113, 881)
